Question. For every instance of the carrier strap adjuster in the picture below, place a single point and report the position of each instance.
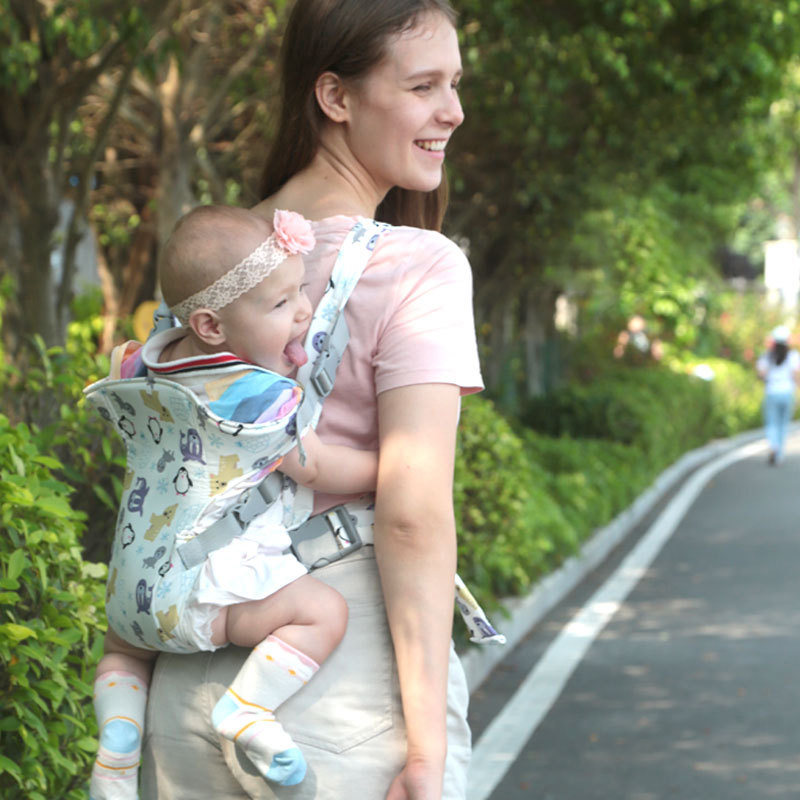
(255, 501)
(311, 542)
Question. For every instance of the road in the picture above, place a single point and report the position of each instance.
(672, 670)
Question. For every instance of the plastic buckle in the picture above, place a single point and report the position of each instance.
(337, 523)
(257, 499)
(239, 511)
(323, 373)
(320, 379)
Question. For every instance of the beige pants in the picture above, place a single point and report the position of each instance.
(347, 720)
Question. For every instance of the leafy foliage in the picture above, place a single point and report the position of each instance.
(661, 412)
(45, 394)
(52, 598)
(50, 627)
(607, 144)
(56, 55)
(590, 480)
(736, 392)
(510, 531)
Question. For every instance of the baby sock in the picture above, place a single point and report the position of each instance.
(119, 703)
(272, 673)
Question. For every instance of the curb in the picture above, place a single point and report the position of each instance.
(526, 612)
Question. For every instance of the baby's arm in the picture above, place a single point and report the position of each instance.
(333, 469)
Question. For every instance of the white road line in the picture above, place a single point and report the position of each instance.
(503, 740)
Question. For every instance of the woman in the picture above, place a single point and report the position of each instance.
(778, 368)
(369, 102)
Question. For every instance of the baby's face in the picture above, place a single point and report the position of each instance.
(267, 324)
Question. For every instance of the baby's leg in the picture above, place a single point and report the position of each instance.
(307, 619)
(120, 697)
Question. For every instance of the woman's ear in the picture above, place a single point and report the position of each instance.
(332, 97)
(207, 326)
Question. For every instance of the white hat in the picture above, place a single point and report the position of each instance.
(780, 335)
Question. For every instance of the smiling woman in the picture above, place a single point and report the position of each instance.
(369, 105)
(348, 43)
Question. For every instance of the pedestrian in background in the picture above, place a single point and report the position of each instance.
(778, 368)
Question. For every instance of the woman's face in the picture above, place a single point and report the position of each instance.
(405, 110)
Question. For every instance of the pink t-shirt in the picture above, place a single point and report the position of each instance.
(411, 322)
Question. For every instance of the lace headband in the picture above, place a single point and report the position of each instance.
(292, 235)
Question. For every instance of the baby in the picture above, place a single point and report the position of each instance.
(237, 286)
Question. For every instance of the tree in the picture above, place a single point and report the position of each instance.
(190, 129)
(53, 55)
(568, 102)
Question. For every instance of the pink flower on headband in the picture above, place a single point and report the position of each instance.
(293, 232)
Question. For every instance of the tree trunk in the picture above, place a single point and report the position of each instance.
(37, 212)
(175, 196)
(538, 330)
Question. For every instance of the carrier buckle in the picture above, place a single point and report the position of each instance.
(311, 546)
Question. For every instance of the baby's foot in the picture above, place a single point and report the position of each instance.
(116, 771)
(263, 739)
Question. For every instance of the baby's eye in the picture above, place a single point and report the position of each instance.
(422, 88)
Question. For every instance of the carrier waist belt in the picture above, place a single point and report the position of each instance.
(329, 537)
(321, 540)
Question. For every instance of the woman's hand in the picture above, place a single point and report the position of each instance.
(417, 781)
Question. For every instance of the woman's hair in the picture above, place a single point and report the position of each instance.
(779, 352)
(348, 38)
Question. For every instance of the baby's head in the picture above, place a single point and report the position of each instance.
(237, 283)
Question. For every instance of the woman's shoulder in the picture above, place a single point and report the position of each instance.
(401, 250)
(338, 227)
(420, 246)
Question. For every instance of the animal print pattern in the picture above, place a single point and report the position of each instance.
(180, 456)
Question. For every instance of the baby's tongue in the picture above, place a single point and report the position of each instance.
(296, 353)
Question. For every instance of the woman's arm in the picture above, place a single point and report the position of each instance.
(415, 547)
(332, 468)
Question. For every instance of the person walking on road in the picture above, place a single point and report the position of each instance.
(778, 368)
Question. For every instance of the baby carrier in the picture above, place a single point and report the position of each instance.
(212, 468)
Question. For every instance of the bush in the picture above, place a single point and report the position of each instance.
(53, 615)
(737, 393)
(50, 627)
(46, 394)
(660, 412)
(510, 532)
(590, 480)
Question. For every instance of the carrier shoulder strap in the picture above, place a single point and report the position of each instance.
(328, 334)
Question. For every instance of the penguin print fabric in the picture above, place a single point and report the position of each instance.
(187, 464)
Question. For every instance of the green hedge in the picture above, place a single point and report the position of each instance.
(660, 412)
(510, 531)
(50, 631)
(591, 480)
(57, 466)
(736, 391)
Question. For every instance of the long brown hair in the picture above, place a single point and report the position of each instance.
(348, 38)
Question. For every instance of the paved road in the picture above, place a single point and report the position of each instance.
(672, 672)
